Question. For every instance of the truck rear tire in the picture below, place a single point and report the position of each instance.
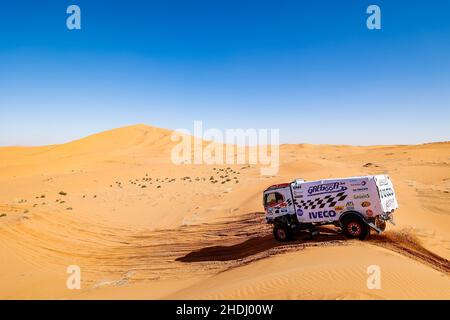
(355, 228)
(282, 232)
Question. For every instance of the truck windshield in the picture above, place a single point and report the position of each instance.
(271, 199)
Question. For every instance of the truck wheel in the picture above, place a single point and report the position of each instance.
(282, 232)
(355, 228)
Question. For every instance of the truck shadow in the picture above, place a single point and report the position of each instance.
(257, 245)
(260, 243)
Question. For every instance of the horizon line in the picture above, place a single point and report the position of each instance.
(206, 140)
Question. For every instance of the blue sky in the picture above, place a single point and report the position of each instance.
(310, 68)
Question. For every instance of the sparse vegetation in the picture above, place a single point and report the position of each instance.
(370, 164)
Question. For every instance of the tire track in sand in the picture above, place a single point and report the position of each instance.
(261, 246)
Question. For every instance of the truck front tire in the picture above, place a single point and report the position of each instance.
(282, 232)
(355, 228)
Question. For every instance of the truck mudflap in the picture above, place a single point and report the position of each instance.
(373, 226)
(380, 222)
(388, 217)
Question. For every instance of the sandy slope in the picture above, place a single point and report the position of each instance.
(141, 227)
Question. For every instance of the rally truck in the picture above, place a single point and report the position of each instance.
(355, 205)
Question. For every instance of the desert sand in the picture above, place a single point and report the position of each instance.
(140, 227)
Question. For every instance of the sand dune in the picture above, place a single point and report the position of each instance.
(298, 275)
(141, 227)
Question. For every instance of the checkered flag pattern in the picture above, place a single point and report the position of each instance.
(329, 200)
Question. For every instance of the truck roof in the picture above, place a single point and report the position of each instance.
(278, 186)
(349, 178)
(283, 185)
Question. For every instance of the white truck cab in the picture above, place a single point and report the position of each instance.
(356, 204)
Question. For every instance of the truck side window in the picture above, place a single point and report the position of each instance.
(273, 198)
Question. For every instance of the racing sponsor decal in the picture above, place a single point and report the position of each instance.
(328, 200)
(357, 183)
(361, 196)
(322, 214)
(349, 205)
(365, 204)
(339, 208)
(389, 203)
(386, 192)
(299, 212)
(326, 188)
(360, 189)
